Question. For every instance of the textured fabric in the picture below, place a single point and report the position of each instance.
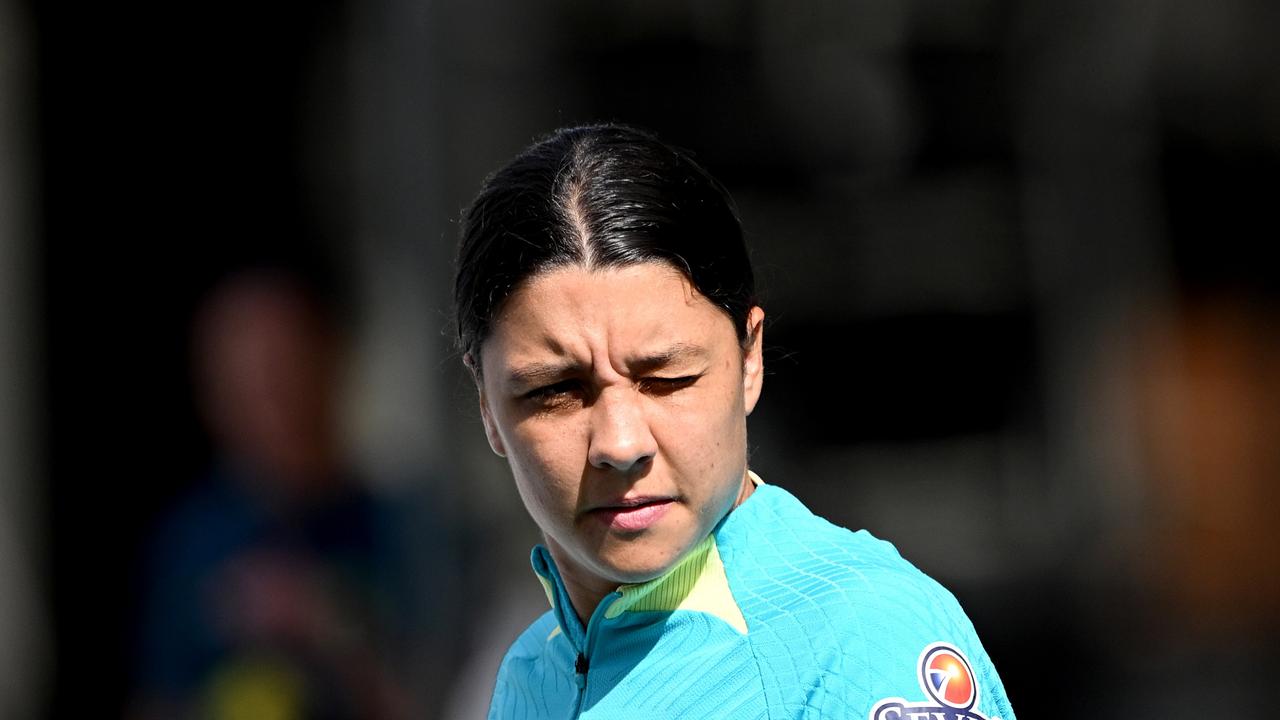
(697, 583)
(836, 623)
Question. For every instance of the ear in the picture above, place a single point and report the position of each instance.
(490, 427)
(753, 359)
(486, 415)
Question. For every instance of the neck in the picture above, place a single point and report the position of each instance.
(585, 590)
(747, 488)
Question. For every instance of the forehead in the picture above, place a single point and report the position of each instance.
(578, 312)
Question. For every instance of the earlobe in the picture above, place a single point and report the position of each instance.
(753, 359)
(490, 427)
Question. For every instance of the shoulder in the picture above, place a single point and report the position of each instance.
(796, 575)
(533, 642)
(532, 674)
(839, 611)
(204, 524)
(779, 547)
(529, 656)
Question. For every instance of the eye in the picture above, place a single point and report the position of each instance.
(661, 386)
(555, 393)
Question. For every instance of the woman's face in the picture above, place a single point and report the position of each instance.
(620, 397)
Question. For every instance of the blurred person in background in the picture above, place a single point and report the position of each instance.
(277, 587)
(1199, 587)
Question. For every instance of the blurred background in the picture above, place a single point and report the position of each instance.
(1014, 256)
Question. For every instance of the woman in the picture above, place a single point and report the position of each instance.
(606, 309)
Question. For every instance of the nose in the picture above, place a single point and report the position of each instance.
(620, 435)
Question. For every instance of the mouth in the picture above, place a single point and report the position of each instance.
(633, 514)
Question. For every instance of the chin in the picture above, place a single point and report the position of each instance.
(636, 575)
(630, 570)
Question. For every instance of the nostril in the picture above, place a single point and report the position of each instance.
(620, 454)
(624, 461)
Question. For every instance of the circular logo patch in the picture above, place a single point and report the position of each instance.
(948, 678)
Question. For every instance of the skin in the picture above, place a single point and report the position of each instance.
(619, 397)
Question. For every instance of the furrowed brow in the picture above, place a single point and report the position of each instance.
(679, 352)
(537, 374)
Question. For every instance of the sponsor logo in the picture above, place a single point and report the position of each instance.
(947, 680)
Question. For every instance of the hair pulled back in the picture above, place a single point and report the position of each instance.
(600, 196)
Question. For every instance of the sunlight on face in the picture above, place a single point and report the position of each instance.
(619, 398)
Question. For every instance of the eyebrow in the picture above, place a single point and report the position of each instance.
(535, 374)
(674, 353)
(539, 373)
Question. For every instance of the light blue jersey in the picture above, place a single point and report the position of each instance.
(777, 614)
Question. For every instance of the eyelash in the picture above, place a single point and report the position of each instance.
(550, 394)
(547, 392)
(663, 385)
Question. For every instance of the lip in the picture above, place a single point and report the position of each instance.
(633, 514)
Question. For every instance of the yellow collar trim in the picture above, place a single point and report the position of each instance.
(697, 583)
(546, 587)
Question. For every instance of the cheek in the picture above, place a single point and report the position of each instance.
(705, 431)
(546, 460)
(548, 444)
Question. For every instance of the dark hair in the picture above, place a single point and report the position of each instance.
(600, 196)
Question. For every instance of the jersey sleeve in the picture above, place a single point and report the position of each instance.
(929, 654)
